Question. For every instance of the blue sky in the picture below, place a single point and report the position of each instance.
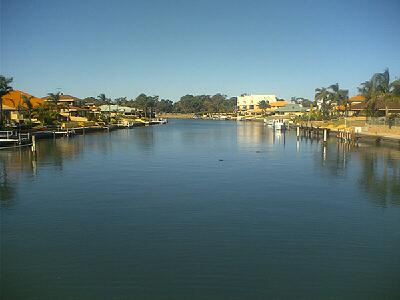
(173, 48)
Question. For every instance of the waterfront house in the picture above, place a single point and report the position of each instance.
(115, 110)
(277, 104)
(381, 107)
(290, 110)
(74, 109)
(354, 102)
(250, 104)
(67, 101)
(14, 105)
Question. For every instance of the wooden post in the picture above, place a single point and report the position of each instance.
(325, 135)
(298, 132)
(33, 143)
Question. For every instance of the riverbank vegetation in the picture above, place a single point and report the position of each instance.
(378, 97)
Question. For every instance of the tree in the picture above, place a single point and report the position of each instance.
(263, 105)
(395, 87)
(45, 114)
(339, 96)
(164, 106)
(366, 89)
(104, 100)
(54, 98)
(146, 103)
(121, 101)
(323, 97)
(380, 91)
(217, 103)
(29, 106)
(4, 89)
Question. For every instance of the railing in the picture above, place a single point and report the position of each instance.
(11, 135)
(383, 121)
(6, 134)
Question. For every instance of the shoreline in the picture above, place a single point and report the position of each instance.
(175, 116)
(377, 135)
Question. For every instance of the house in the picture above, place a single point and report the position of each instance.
(356, 100)
(14, 105)
(114, 109)
(277, 104)
(74, 108)
(250, 104)
(381, 107)
(66, 100)
(290, 110)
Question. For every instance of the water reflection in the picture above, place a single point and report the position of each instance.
(379, 174)
(250, 132)
(374, 170)
(19, 163)
(7, 190)
(335, 156)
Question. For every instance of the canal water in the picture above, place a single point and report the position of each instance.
(199, 210)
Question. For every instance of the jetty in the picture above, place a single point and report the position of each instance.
(347, 135)
(12, 139)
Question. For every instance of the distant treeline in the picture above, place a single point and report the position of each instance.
(205, 104)
(217, 103)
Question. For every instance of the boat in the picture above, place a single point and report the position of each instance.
(11, 139)
(270, 123)
(159, 121)
(278, 125)
(275, 124)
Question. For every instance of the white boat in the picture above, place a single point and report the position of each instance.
(161, 121)
(279, 125)
(275, 124)
(270, 123)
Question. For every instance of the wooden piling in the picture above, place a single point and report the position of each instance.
(33, 144)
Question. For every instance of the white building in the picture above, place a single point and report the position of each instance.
(250, 103)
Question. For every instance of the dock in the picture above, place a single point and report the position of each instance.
(345, 135)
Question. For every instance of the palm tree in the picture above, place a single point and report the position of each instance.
(4, 89)
(323, 96)
(29, 106)
(379, 90)
(365, 89)
(54, 97)
(103, 99)
(381, 82)
(339, 96)
(395, 87)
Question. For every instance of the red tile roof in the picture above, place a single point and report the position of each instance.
(357, 98)
(14, 99)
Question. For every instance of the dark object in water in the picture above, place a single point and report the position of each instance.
(220, 160)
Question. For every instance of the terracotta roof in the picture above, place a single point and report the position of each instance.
(14, 98)
(357, 98)
(380, 105)
(278, 104)
(64, 97)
